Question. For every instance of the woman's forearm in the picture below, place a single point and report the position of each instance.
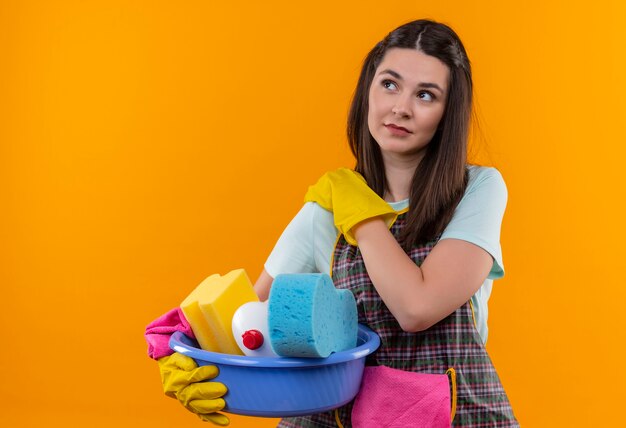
(394, 275)
(262, 285)
(419, 297)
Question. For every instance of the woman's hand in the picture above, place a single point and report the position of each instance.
(346, 194)
(184, 380)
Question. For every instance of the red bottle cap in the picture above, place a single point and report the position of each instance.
(252, 339)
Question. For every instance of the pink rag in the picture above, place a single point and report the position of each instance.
(158, 332)
(392, 398)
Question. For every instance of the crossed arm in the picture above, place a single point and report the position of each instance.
(417, 296)
(420, 296)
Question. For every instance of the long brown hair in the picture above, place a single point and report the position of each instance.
(439, 181)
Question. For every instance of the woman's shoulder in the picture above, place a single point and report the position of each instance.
(483, 172)
(316, 214)
(485, 177)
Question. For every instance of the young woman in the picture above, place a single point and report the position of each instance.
(413, 231)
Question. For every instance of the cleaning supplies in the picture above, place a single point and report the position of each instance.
(209, 309)
(251, 331)
(184, 380)
(308, 317)
(158, 332)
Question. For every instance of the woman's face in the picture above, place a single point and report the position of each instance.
(407, 99)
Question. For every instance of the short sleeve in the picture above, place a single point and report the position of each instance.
(293, 252)
(478, 217)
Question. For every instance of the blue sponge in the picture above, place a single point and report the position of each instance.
(309, 317)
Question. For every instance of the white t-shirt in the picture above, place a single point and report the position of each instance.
(307, 243)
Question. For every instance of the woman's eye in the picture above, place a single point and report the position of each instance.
(388, 84)
(426, 96)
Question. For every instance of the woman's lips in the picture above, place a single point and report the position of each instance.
(397, 130)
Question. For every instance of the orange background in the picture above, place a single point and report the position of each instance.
(145, 145)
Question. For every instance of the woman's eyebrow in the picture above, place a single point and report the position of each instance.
(429, 85)
(393, 73)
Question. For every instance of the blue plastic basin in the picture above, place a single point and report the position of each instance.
(283, 387)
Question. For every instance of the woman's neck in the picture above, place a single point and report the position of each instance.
(399, 176)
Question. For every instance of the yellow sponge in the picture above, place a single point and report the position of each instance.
(211, 306)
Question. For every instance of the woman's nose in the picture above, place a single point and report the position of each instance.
(401, 107)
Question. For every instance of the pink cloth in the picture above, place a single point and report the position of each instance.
(158, 332)
(392, 398)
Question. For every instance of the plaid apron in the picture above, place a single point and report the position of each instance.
(453, 342)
